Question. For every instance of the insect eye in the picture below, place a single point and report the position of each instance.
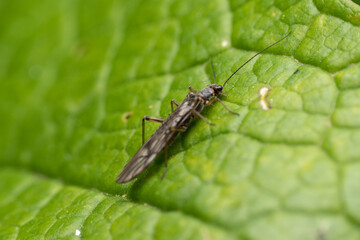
(219, 88)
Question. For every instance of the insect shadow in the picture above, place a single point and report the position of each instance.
(178, 121)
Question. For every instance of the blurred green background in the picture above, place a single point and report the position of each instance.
(76, 78)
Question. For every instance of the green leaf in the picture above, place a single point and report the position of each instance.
(76, 78)
(42, 208)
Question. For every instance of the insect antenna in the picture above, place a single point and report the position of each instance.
(254, 57)
(212, 66)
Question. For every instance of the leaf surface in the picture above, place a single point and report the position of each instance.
(77, 77)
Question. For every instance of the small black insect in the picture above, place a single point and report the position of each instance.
(178, 121)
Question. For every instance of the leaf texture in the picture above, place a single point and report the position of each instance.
(76, 78)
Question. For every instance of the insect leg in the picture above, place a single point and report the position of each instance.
(192, 90)
(211, 102)
(194, 112)
(151, 119)
(217, 99)
(173, 102)
(165, 167)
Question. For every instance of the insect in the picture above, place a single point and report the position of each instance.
(178, 121)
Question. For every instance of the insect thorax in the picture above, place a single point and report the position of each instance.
(206, 93)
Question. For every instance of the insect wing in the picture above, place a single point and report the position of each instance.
(156, 143)
(146, 154)
(136, 165)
